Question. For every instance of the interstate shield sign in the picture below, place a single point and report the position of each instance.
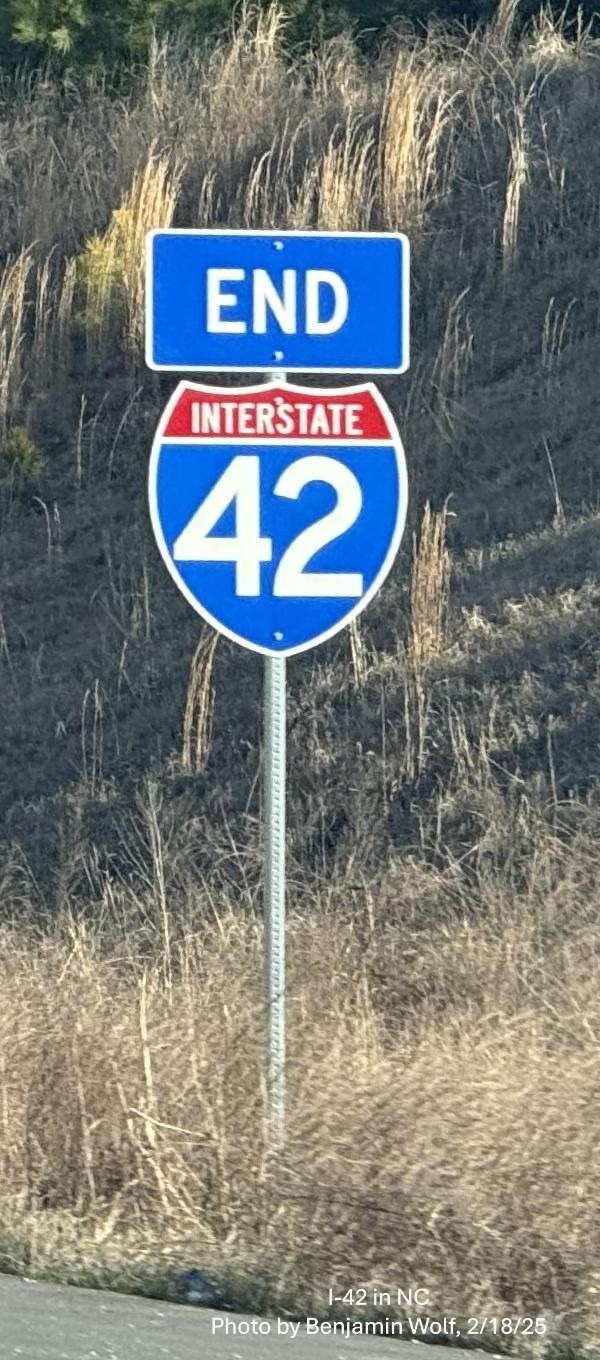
(278, 509)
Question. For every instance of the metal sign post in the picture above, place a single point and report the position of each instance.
(274, 809)
(278, 509)
(274, 890)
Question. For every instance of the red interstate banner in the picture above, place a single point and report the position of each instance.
(278, 413)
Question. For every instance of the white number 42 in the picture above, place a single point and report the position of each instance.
(240, 485)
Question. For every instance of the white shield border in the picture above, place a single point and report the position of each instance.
(271, 386)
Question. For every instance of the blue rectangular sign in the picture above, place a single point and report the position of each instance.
(257, 301)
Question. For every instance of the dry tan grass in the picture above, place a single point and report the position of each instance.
(346, 181)
(443, 830)
(13, 300)
(132, 1112)
(64, 315)
(504, 20)
(516, 178)
(554, 338)
(416, 161)
(358, 652)
(199, 703)
(430, 582)
(112, 266)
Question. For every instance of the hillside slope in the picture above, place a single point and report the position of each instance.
(443, 758)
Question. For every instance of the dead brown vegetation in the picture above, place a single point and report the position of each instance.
(444, 767)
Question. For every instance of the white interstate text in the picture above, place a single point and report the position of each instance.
(417, 1328)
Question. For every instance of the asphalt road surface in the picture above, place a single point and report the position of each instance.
(55, 1322)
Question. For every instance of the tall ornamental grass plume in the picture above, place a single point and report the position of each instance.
(14, 279)
(112, 265)
(430, 581)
